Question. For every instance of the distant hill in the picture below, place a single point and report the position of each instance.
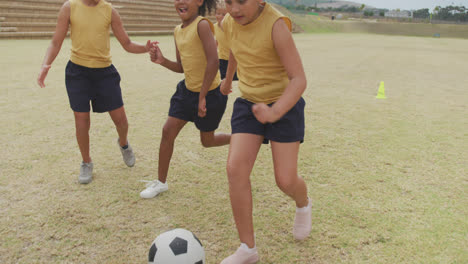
(320, 3)
(337, 4)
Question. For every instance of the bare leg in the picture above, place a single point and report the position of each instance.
(212, 139)
(243, 151)
(285, 157)
(82, 125)
(171, 129)
(121, 124)
(285, 163)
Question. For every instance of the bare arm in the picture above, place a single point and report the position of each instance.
(158, 58)
(212, 62)
(226, 84)
(63, 21)
(289, 56)
(122, 36)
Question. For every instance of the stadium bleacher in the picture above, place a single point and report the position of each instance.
(37, 18)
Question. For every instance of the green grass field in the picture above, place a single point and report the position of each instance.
(388, 178)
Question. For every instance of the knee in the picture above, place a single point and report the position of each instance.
(121, 122)
(168, 132)
(236, 178)
(286, 184)
(230, 170)
(82, 123)
(207, 142)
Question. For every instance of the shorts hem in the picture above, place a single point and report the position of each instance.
(178, 117)
(206, 130)
(105, 111)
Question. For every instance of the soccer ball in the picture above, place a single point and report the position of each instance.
(177, 246)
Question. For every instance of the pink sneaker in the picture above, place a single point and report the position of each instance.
(303, 222)
(243, 255)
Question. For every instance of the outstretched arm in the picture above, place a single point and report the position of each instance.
(289, 56)
(61, 30)
(212, 63)
(157, 57)
(122, 36)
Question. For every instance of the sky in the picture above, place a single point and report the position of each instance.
(411, 4)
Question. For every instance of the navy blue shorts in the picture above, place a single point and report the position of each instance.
(184, 106)
(101, 86)
(223, 64)
(290, 128)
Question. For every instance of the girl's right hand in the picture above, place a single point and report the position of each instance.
(226, 87)
(156, 54)
(150, 44)
(42, 75)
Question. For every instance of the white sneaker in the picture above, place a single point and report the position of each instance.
(243, 255)
(153, 188)
(127, 154)
(86, 173)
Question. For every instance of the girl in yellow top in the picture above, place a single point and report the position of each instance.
(271, 81)
(197, 98)
(221, 41)
(90, 75)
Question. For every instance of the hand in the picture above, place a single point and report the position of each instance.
(225, 88)
(156, 55)
(150, 44)
(264, 113)
(202, 107)
(42, 75)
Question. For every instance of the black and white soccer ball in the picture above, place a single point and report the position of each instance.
(177, 246)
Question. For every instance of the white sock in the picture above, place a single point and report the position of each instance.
(305, 208)
(249, 250)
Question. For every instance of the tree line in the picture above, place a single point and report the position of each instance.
(448, 13)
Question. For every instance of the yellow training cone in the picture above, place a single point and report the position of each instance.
(381, 93)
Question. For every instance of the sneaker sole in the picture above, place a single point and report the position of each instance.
(153, 196)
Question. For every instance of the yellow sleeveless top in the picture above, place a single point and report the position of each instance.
(262, 77)
(193, 56)
(223, 48)
(89, 33)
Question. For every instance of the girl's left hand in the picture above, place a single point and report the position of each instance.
(42, 75)
(225, 88)
(264, 113)
(202, 107)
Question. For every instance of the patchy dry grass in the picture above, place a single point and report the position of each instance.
(324, 24)
(388, 178)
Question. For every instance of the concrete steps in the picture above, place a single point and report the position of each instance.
(48, 35)
(19, 7)
(129, 3)
(53, 10)
(28, 17)
(8, 29)
(37, 18)
(50, 27)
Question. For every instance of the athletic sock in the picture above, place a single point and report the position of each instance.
(303, 222)
(246, 248)
(305, 208)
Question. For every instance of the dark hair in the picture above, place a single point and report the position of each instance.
(207, 5)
